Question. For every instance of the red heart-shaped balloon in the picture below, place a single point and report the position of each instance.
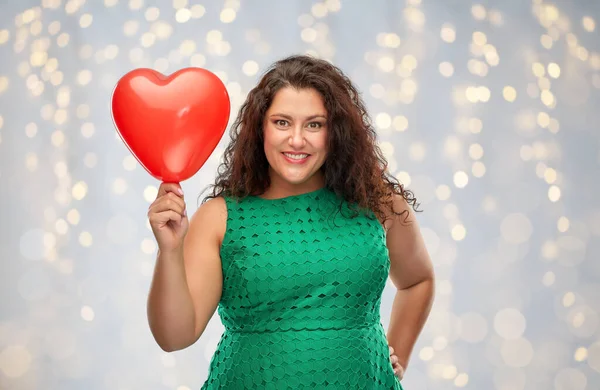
(170, 124)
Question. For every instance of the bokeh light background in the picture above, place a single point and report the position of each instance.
(488, 111)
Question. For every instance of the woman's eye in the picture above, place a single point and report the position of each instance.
(281, 122)
(315, 125)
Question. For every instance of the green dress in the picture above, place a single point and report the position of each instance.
(302, 287)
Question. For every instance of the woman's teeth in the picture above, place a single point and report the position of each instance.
(296, 156)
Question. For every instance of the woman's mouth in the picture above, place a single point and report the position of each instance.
(296, 158)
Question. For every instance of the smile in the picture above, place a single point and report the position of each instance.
(296, 158)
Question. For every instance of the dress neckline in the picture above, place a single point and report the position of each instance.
(289, 197)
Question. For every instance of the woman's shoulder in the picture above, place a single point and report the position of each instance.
(211, 217)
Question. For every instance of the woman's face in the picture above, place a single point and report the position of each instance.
(295, 135)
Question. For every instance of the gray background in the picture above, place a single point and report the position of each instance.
(488, 111)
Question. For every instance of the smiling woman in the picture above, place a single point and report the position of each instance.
(294, 246)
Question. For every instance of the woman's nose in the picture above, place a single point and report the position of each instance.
(297, 138)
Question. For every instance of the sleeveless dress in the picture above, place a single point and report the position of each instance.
(302, 287)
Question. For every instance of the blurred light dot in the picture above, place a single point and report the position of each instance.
(509, 93)
(150, 193)
(119, 186)
(84, 77)
(148, 39)
(87, 313)
(250, 68)
(15, 361)
(131, 27)
(73, 217)
(516, 228)
(550, 175)
(183, 15)
(554, 70)
(516, 353)
(414, 16)
(227, 15)
(543, 119)
(443, 192)
(4, 36)
(446, 69)
(386, 64)
(568, 299)
(135, 4)
(31, 161)
(85, 239)
(129, 163)
(549, 250)
(90, 160)
(509, 323)
(198, 60)
(570, 379)
(79, 190)
(417, 151)
(448, 34)
(177, 4)
(87, 129)
(61, 226)
(404, 178)
(391, 40)
(83, 111)
(461, 179)
(377, 91)
(85, 20)
(383, 120)
(409, 62)
(563, 224)
(426, 353)
(214, 36)
(580, 354)
(458, 232)
(60, 169)
(479, 38)
(538, 69)
(308, 34)
(478, 169)
(461, 380)
(554, 193)
(593, 358)
(478, 11)
(304, 20)
(450, 211)
(547, 98)
(549, 278)
(588, 23)
(197, 11)
(452, 147)
(58, 137)
(449, 372)
(3, 84)
(476, 151)
(319, 10)
(152, 14)
(400, 123)
(546, 41)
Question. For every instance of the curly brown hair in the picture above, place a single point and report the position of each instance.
(355, 168)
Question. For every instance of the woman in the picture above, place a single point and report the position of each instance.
(294, 246)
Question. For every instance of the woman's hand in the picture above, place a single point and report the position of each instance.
(398, 369)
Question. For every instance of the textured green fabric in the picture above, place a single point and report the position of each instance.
(302, 287)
